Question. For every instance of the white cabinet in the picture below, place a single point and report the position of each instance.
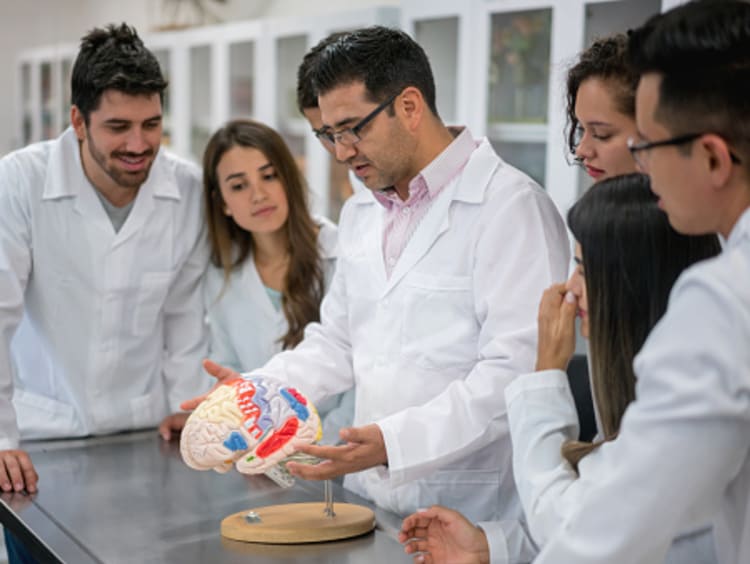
(43, 92)
(499, 68)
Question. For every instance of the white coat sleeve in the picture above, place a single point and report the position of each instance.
(542, 417)
(681, 442)
(186, 342)
(521, 248)
(506, 538)
(15, 268)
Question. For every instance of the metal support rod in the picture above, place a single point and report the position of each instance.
(329, 499)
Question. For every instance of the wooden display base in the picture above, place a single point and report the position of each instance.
(295, 523)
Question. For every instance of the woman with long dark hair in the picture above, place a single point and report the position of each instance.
(271, 260)
(628, 258)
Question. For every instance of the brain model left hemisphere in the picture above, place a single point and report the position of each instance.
(253, 423)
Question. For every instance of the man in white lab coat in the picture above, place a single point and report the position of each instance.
(432, 310)
(102, 246)
(683, 452)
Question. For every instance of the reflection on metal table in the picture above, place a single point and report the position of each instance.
(130, 498)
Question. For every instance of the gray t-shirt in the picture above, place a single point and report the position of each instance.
(117, 215)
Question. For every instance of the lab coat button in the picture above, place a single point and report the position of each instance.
(391, 260)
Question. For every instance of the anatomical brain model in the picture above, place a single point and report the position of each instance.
(253, 423)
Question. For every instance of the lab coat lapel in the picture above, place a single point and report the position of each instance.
(67, 180)
(433, 224)
(159, 185)
(368, 236)
(469, 186)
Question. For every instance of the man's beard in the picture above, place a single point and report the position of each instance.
(120, 177)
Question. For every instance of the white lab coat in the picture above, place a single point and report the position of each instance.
(245, 327)
(431, 348)
(113, 334)
(683, 452)
(543, 417)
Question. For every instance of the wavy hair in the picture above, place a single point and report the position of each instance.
(605, 59)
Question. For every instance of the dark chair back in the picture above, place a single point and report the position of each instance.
(580, 385)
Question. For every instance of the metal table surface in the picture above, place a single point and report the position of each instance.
(130, 498)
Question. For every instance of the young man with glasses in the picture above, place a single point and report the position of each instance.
(682, 456)
(432, 311)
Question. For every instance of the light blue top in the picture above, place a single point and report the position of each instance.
(245, 323)
(274, 296)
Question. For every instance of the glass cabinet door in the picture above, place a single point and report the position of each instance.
(26, 102)
(200, 100)
(49, 107)
(518, 83)
(66, 69)
(290, 123)
(241, 79)
(163, 56)
(439, 38)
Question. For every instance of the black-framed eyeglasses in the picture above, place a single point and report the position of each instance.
(351, 135)
(643, 147)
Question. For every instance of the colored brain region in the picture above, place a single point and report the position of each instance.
(253, 423)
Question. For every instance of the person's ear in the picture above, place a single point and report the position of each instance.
(78, 122)
(410, 104)
(718, 159)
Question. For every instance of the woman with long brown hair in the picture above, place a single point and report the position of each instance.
(271, 261)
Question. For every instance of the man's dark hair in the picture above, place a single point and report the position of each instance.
(113, 58)
(702, 51)
(386, 60)
(307, 96)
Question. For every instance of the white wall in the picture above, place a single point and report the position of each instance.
(26, 24)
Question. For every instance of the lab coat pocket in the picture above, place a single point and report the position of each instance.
(150, 301)
(476, 492)
(440, 327)
(42, 417)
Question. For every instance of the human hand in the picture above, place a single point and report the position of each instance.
(556, 329)
(17, 472)
(363, 448)
(219, 372)
(439, 534)
(172, 424)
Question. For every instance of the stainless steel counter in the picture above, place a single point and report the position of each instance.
(130, 498)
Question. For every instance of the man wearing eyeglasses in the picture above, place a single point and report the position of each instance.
(683, 452)
(432, 311)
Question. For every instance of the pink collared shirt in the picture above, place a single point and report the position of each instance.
(403, 217)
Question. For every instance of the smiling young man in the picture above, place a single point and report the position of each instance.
(432, 310)
(682, 456)
(102, 247)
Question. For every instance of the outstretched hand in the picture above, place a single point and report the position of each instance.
(439, 534)
(364, 448)
(219, 372)
(557, 331)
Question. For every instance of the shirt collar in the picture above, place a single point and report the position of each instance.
(440, 171)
